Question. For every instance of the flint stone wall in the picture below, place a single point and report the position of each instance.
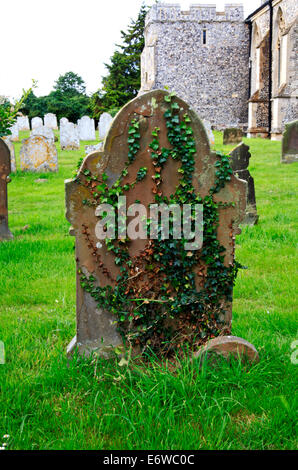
(213, 77)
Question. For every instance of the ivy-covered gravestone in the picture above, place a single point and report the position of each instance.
(5, 169)
(157, 292)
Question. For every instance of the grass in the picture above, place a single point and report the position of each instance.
(47, 402)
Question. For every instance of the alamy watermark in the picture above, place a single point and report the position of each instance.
(294, 355)
(157, 222)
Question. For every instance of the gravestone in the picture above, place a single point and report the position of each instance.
(86, 128)
(127, 293)
(63, 122)
(93, 148)
(44, 131)
(50, 120)
(36, 122)
(289, 152)
(69, 135)
(104, 124)
(14, 136)
(232, 135)
(38, 154)
(207, 126)
(10, 145)
(5, 169)
(239, 162)
(23, 123)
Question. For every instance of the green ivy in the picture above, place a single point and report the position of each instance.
(169, 310)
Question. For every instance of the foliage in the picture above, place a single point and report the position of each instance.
(70, 84)
(68, 99)
(123, 80)
(164, 309)
(8, 112)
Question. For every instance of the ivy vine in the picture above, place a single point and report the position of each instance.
(166, 296)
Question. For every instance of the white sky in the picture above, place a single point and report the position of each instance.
(44, 39)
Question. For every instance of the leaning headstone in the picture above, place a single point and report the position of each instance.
(5, 169)
(44, 131)
(14, 136)
(160, 292)
(93, 148)
(10, 145)
(207, 126)
(23, 123)
(239, 162)
(104, 124)
(289, 152)
(38, 154)
(50, 120)
(86, 128)
(36, 122)
(232, 135)
(69, 136)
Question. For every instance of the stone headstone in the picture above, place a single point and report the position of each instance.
(14, 136)
(207, 126)
(36, 122)
(44, 131)
(289, 152)
(151, 284)
(104, 124)
(5, 169)
(23, 123)
(86, 128)
(93, 148)
(232, 135)
(63, 121)
(10, 145)
(69, 136)
(38, 154)
(50, 120)
(227, 347)
(240, 156)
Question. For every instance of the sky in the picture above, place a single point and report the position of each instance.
(42, 40)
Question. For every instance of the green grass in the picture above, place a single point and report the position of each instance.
(47, 402)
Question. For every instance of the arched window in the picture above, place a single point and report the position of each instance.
(281, 49)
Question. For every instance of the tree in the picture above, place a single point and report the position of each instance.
(71, 84)
(123, 80)
(9, 112)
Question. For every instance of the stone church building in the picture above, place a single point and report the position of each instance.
(235, 72)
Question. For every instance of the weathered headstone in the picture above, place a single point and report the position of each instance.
(153, 292)
(14, 136)
(36, 122)
(104, 124)
(5, 169)
(93, 148)
(207, 126)
(86, 127)
(63, 122)
(23, 123)
(10, 145)
(289, 153)
(38, 154)
(240, 156)
(44, 131)
(69, 136)
(232, 135)
(50, 120)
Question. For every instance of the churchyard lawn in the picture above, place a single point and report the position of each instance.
(48, 402)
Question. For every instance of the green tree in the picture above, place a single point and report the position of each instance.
(9, 112)
(123, 80)
(71, 84)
